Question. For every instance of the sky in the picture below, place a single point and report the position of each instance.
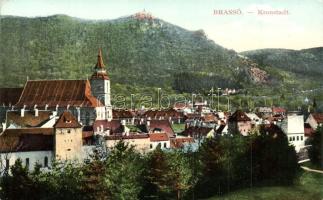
(247, 30)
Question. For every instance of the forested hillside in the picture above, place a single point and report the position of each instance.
(140, 52)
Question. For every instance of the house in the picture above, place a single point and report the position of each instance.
(279, 111)
(239, 122)
(315, 120)
(293, 127)
(141, 142)
(159, 139)
(198, 132)
(128, 115)
(160, 126)
(34, 138)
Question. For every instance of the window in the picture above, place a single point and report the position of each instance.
(290, 138)
(151, 146)
(27, 163)
(165, 145)
(293, 138)
(46, 161)
(297, 138)
(68, 130)
(302, 138)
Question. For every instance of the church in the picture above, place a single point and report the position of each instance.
(48, 119)
(86, 99)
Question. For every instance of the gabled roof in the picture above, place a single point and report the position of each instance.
(67, 120)
(58, 92)
(164, 125)
(156, 137)
(239, 116)
(9, 96)
(318, 117)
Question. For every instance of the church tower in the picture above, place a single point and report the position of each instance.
(100, 85)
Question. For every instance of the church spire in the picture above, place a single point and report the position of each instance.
(100, 64)
(99, 69)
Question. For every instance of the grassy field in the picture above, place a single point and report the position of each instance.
(308, 187)
(178, 128)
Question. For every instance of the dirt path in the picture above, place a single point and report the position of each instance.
(312, 170)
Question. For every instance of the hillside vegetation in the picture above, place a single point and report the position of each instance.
(140, 53)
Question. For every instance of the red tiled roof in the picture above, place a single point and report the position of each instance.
(179, 142)
(29, 119)
(165, 114)
(318, 117)
(239, 116)
(119, 114)
(67, 120)
(156, 137)
(9, 96)
(114, 126)
(278, 110)
(164, 125)
(58, 92)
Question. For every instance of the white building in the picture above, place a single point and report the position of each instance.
(293, 127)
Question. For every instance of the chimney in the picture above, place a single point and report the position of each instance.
(22, 111)
(36, 111)
(148, 124)
(46, 106)
(123, 122)
(101, 126)
(108, 132)
(4, 127)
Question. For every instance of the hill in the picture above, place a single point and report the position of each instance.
(143, 53)
(139, 50)
(308, 62)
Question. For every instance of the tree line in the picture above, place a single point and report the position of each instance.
(220, 165)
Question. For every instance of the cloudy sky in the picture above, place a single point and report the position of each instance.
(301, 28)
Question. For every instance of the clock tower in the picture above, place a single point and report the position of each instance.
(100, 85)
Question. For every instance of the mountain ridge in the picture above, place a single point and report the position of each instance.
(138, 51)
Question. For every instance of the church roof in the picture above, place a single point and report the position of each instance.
(67, 120)
(58, 92)
(9, 96)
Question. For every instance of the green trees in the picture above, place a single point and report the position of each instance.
(221, 164)
(124, 168)
(316, 150)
